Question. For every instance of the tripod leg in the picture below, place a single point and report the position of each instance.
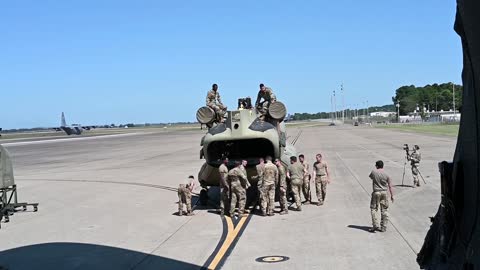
(404, 167)
(419, 173)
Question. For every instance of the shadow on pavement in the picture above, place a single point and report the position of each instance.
(84, 256)
(406, 186)
(362, 228)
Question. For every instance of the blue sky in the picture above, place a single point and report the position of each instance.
(153, 61)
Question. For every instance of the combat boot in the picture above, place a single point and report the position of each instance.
(383, 229)
(190, 214)
(180, 213)
(284, 212)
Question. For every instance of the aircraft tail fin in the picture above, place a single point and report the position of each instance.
(64, 122)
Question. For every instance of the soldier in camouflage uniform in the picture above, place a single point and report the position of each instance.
(322, 178)
(237, 181)
(259, 177)
(247, 184)
(270, 178)
(214, 101)
(185, 196)
(295, 173)
(381, 183)
(306, 180)
(282, 187)
(266, 94)
(415, 158)
(244, 166)
(244, 170)
(224, 189)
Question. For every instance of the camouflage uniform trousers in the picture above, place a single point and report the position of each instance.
(415, 173)
(268, 201)
(262, 108)
(297, 190)
(321, 187)
(306, 188)
(223, 199)
(379, 199)
(282, 192)
(238, 194)
(218, 109)
(184, 197)
(260, 193)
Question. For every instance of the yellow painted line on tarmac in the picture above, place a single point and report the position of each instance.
(231, 236)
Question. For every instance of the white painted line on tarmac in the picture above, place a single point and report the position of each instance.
(71, 139)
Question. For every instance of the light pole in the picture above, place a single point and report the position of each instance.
(368, 115)
(453, 94)
(398, 111)
(335, 104)
(365, 111)
(343, 103)
(331, 107)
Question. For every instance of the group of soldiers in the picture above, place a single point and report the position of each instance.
(272, 177)
(265, 97)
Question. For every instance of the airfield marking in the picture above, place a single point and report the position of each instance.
(231, 233)
(368, 195)
(272, 259)
(70, 139)
(103, 182)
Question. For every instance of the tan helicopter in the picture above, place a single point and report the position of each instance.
(246, 134)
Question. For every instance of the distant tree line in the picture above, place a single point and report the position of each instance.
(435, 97)
(349, 113)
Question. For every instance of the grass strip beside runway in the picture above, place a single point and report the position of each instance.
(438, 129)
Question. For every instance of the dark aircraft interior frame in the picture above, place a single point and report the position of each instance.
(453, 241)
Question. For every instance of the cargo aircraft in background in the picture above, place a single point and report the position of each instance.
(74, 129)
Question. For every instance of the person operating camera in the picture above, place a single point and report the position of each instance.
(414, 159)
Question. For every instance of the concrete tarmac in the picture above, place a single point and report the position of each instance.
(109, 203)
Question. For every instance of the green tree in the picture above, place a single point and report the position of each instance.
(435, 97)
